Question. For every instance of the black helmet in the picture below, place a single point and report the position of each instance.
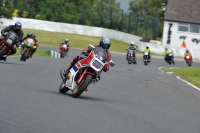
(28, 35)
(105, 43)
(33, 36)
(18, 26)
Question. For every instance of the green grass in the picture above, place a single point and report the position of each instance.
(76, 41)
(190, 74)
(39, 52)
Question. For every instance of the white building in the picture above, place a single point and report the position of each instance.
(182, 19)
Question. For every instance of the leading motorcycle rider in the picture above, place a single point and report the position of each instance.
(104, 43)
(17, 29)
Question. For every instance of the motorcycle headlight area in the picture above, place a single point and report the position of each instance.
(9, 41)
(97, 64)
(29, 44)
(187, 57)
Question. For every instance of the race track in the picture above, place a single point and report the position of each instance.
(129, 99)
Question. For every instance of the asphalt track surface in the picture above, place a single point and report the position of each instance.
(129, 99)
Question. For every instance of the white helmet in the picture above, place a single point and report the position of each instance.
(132, 43)
(67, 39)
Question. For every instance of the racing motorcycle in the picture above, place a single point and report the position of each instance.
(29, 45)
(170, 58)
(10, 39)
(146, 57)
(63, 50)
(131, 57)
(85, 72)
(188, 59)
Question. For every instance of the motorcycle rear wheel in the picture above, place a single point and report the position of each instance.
(79, 90)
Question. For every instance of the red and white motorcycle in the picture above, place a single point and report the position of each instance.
(63, 50)
(85, 72)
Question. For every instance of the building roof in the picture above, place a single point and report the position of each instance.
(183, 11)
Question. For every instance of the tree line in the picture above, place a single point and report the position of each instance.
(143, 18)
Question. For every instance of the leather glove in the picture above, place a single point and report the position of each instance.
(105, 69)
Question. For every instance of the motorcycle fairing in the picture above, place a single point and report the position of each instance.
(90, 60)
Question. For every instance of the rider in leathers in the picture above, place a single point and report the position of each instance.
(166, 52)
(104, 43)
(17, 29)
(131, 47)
(66, 42)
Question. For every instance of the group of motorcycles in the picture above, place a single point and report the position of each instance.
(132, 59)
(10, 40)
(170, 58)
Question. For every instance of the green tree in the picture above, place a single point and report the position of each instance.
(6, 9)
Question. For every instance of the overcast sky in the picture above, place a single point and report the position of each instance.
(124, 4)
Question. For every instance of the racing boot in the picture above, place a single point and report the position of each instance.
(65, 73)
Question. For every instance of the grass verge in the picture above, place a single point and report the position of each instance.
(76, 41)
(39, 52)
(190, 74)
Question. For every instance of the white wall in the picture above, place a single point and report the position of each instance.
(175, 40)
(73, 29)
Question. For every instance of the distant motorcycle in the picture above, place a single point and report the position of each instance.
(10, 39)
(146, 57)
(188, 59)
(85, 72)
(63, 50)
(131, 57)
(29, 45)
(170, 58)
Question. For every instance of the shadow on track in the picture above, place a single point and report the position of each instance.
(83, 97)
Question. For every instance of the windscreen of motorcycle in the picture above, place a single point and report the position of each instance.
(11, 38)
(101, 54)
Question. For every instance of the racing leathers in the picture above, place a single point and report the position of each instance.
(20, 34)
(131, 48)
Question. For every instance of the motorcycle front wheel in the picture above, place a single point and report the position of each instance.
(189, 63)
(62, 88)
(80, 88)
(2, 51)
(23, 55)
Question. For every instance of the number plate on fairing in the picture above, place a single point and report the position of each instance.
(9, 41)
(97, 64)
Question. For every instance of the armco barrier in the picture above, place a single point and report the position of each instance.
(54, 54)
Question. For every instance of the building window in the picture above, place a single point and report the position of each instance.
(183, 27)
(194, 28)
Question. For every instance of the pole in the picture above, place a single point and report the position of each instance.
(129, 22)
(121, 22)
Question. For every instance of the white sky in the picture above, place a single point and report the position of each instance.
(124, 4)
